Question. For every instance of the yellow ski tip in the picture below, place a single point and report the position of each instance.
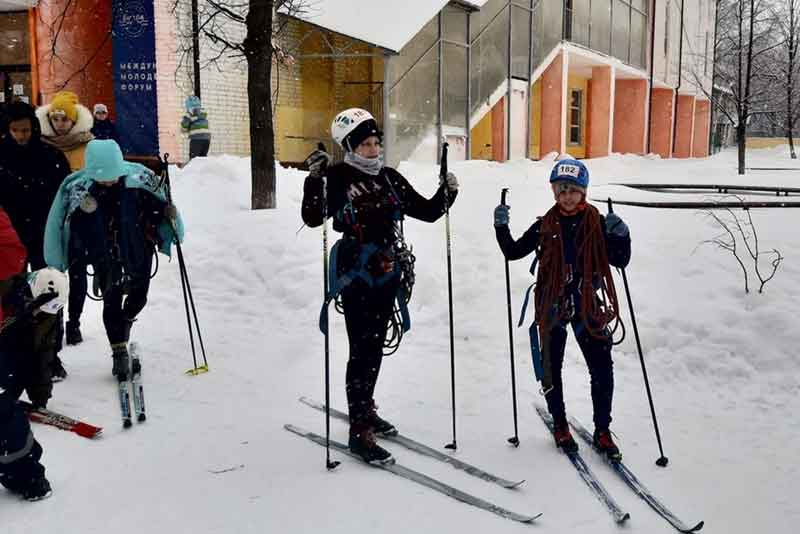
(197, 370)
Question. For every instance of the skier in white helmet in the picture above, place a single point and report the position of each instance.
(371, 265)
(25, 300)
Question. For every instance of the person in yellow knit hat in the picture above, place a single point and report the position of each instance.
(67, 125)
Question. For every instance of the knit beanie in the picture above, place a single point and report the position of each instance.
(64, 102)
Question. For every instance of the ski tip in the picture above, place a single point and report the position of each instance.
(515, 485)
(695, 528)
(532, 518)
(622, 517)
(88, 431)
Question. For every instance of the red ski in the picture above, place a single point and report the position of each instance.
(48, 417)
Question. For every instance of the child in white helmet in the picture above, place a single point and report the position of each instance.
(373, 267)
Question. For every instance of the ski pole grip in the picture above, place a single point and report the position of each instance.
(503, 195)
(610, 206)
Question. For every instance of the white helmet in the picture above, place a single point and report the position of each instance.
(352, 126)
(49, 280)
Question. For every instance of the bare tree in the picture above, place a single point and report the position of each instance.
(743, 70)
(250, 31)
(735, 230)
(789, 23)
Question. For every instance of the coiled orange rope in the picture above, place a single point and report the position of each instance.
(599, 305)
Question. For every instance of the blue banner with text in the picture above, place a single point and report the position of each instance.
(134, 57)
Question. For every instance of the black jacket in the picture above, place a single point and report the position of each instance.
(105, 129)
(121, 231)
(618, 248)
(29, 179)
(366, 207)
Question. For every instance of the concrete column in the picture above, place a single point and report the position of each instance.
(684, 127)
(702, 124)
(661, 123)
(599, 119)
(552, 136)
(630, 110)
(499, 131)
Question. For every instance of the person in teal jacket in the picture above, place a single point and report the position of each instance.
(113, 214)
(195, 124)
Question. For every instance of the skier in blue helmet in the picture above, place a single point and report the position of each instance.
(575, 248)
(115, 214)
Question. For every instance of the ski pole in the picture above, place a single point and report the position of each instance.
(329, 464)
(188, 298)
(662, 460)
(443, 176)
(514, 440)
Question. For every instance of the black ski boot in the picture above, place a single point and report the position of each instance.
(57, 371)
(73, 331)
(362, 442)
(37, 490)
(380, 426)
(606, 446)
(121, 365)
(564, 439)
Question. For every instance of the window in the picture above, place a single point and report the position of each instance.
(575, 115)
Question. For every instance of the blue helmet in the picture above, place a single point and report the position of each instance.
(570, 170)
(192, 102)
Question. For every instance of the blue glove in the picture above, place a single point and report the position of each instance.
(615, 226)
(501, 215)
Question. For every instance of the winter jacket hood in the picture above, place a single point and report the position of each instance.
(82, 125)
(76, 187)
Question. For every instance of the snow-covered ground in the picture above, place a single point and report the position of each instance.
(214, 458)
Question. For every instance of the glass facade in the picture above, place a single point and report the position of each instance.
(428, 84)
(460, 64)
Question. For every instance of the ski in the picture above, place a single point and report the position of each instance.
(630, 479)
(123, 388)
(136, 384)
(425, 450)
(49, 417)
(420, 478)
(587, 475)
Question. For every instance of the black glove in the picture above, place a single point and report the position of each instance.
(317, 162)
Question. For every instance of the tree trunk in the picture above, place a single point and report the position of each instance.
(741, 143)
(258, 51)
(790, 81)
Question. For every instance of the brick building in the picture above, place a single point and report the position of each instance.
(498, 79)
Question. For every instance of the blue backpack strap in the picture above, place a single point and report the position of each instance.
(528, 292)
(403, 307)
(337, 283)
(536, 352)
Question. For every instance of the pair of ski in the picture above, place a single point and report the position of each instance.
(130, 386)
(421, 478)
(622, 471)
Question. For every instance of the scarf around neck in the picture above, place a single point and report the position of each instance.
(69, 141)
(371, 166)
